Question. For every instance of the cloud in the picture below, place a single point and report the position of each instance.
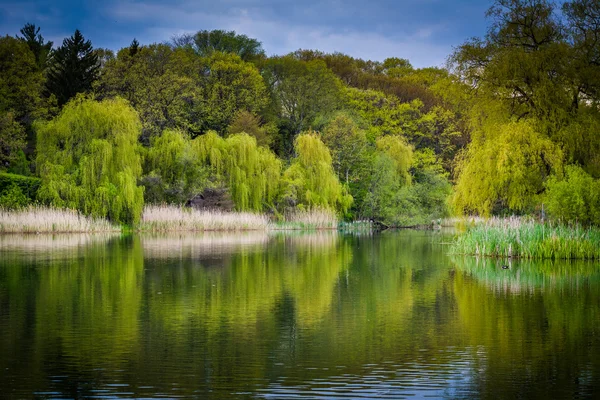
(281, 34)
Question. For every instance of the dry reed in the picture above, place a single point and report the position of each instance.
(38, 219)
(308, 220)
(166, 218)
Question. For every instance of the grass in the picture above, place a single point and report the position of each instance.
(166, 218)
(308, 220)
(38, 219)
(528, 239)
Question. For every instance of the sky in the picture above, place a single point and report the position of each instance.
(422, 31)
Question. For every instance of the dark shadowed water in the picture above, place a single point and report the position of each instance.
(302, 316)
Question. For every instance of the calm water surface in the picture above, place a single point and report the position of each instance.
(302, 316)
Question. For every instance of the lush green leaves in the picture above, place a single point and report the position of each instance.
(73, 68)
(88, 159)
(310, 181)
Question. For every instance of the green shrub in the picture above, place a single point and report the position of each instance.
(13, 198)
(574, 198)
(28, 185)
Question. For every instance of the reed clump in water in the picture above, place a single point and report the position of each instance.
(39, 219)
(528, 239)
(314, 219)
(166, 218)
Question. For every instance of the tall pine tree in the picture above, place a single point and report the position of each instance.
(73, 68)
(37, 44)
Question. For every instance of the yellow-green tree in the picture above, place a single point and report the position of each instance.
(89, 159)
(174, 172)
(310, 181)
(250, 172)
(504, 168)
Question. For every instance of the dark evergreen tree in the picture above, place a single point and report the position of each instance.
(38, 46)
(134, 47)
(73, 68)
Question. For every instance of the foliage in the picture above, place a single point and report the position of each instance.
(21, 80)
(504, 168)
(72, 69)
(246, 122)
(400, 153)
(158, 82)
(300, 90)
(174, 173)
(204, 43)
(529, 239)
(27, 185)
(12, 139)
(347, 144)
(384, 114)
(310, 181)
(88, 159)
(250, 172)
(229, 84)
(574, 198)
(38, 46)
(13, 198)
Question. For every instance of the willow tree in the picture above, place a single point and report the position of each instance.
(250, 172)
(400, 152)
(174, 173)
(310, 181)
(504, 169)
(88, 159)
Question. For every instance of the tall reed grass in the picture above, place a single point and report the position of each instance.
(308, 220)
(38, 219)
(528, 239)
(166, 218)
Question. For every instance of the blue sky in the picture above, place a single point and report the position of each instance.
(423, 31)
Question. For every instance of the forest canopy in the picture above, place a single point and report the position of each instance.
(506, 128)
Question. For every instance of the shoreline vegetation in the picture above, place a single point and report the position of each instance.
(166, 218)
(526, 238)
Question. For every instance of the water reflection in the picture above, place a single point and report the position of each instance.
(307, 315)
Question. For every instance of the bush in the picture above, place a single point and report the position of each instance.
(27, 185)
(13, 198)
(574, 197)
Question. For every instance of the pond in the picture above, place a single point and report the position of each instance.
(305, 315)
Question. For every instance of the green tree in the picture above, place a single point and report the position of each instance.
(574, 197)
(174, 172)
(159, 83)
(310, 181)
(204, 43)
(301, 90)
(504, 169)
(89, 159)
(400, 152)
(228, 84)
(20, 80)
(12, 139)
(73, 68)
(246, 122)
(347, 144)
(250, 172)
(384, 114)
(522, 61)
(37, 44)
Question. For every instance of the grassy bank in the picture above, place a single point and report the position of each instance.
(36, 219)
(171, 219)
(307, 220)
(174, 219)
(528, 239)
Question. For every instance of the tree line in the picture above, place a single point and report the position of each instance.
(508, 127)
